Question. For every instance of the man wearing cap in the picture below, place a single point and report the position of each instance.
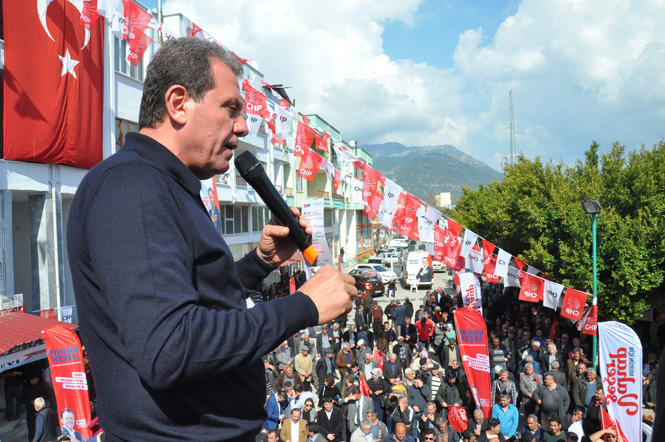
(304, 365)
(403, 351)
(284, 356)
(367, 365)
(344, 359)
(435, 381)
(325, 367)
(361, 350)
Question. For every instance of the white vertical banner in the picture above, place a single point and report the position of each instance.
(502, 263)
(470, 288)
(329, 169)
(512, 278)
(469, 241)
(66, 314)
(291, 147)
(253, 124)
(356, 190)
(282, 122)
(388, 207)
(426, 223)
(552, 295)
(312, 210)
(620, 362)
(474, 261)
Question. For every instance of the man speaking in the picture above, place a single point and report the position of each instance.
(176, 355)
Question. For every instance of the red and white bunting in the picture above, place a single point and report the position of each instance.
(532, 289)
(470, 289)
(552, 295)
(573, 304)
(469, 241)
(502, 264)
(255, 102)
(388, 207)
(409, 225)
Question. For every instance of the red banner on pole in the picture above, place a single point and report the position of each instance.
(379, 357)
(472, 339)
(69, 381)
(458, 418)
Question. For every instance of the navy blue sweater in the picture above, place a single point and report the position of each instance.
(175, 353)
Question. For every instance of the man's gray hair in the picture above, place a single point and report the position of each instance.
(532, 417)
(529, 358)
(527, 366)
(365, 424)
(591, 371)
(555, 365)
(185, 62)
(478, 413)
(39, 403)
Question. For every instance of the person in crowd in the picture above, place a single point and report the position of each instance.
(344, 359)
(275, 406)
(330, 420)
(34, 388)
(448, 394)
(478, 424)
(450, 353)
(392, 369)
(507, 414)
(358, 406)
(436, 380)
(559, 376)
(362, 350)
(284, 356)
(503, 385)
(403, 351)
(376, 315)
(418, 395)
(585, 389)
(379, 430)
(499, 355)
(294, 429)
(388, 335)
(325, 367)
(367, 365)
(309, 411)
(555, 433)
(324, 341)
(533, 427)
(649, 379)
(289, 375)
(329, 390)
(576, 376)
(492, 434)
(401, 434)
(510, 343)
(529, 382)
(552, 355)
(409, 333)
(576, 422)
(425, 329)
(363, 433)
(313, 434)
(271, 377)
(378, 388)
(359, 317)
(13, 386)
(428, 420)
(304, 365)
(46, 422)
(404, 414)
(553, 400)
(468, 436)
(591, 421)
(301, 396)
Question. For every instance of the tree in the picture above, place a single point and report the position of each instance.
(535, 213)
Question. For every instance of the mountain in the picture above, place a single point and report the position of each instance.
(429, 170)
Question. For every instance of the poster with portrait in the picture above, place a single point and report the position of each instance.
(211, 202)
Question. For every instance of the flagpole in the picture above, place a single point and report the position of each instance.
(595, 293)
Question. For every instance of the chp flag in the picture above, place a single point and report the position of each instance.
(620, 362)
(470, 288)
(65, 358)
(472, 338)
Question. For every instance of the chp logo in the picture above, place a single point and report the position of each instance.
(574, 307)
(531, 289)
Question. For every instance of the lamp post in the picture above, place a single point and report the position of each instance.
(593, 209)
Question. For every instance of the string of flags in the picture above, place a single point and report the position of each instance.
(383, 199)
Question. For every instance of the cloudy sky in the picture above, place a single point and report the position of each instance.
(424, 72)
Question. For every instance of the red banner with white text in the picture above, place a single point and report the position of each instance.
(573, 304)
(472, 340)
(65, 358)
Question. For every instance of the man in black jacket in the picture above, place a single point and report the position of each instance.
(331, 421)
(46, 422)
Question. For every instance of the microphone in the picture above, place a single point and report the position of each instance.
(251, 170)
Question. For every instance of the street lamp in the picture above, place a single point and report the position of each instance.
(593, 209)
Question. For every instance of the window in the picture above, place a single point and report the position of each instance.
(260, 217)
(122, 128)
(236, 219)
(327, 217)
(120, 63)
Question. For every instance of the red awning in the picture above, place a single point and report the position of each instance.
(297, 257)
(18, 328)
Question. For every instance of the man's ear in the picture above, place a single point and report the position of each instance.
(176, 98)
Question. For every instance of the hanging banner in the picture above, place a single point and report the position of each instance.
(304, 138)
(426, 223)
(513, 277)
(379, 357)
(312, 210)
(470, 239)
(519, 264)
(573, 304)
(532, 288)
(590, 323)
(356, 190)
(282, 121)
(310, 162)
(620, 363)
(502, 264)
(552, 295)
(66, 314)
(373, 183)
(470, 289)
(255, 102)
(389, 205)
(472, 339)
(409, 226)
(70, 384)
(398, 219)
(439, 243)
(474, 260)
(489, 260)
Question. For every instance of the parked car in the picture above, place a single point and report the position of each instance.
(375, 260)
(368, 281)
(398, 242)
(390, 258)
(438, 266)
(385, 274)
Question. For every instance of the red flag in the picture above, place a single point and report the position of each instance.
(472, 339)
(68, 372)
(439, 243)
(304, 138)
(337, 180)
(532, 289)
(321, 143)
(53, 84)
(519, 263)
(196, 29)
(305, 120)
(239, 58)
(136, 20)
(590, 326)
(364, 387)
(379, 357)
(48, 313)
(89, 14)
(553, 330)
(371, 195)
(284, 104)
(606, 421)
(310, 162)
(398, 217)
(457, 417)
(255, 102)
(573, 304)
(135, 52)
(292, 285)
(409, 226)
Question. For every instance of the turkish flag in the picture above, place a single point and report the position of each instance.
(532, 288)
(573, 304)
(53, 84)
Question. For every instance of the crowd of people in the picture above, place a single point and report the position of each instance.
(544, 386)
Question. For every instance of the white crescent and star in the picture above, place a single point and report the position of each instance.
(68, 63)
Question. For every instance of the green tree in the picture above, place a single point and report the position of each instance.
(536, 214)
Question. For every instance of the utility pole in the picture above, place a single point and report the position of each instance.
(512, 129)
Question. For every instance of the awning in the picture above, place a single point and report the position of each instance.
(22, 339)
(297, 257)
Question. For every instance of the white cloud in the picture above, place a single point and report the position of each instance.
(579, 69)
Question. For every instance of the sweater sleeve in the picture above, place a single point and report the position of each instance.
(143, 287)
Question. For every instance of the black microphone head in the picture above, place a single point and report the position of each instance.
(246, 163)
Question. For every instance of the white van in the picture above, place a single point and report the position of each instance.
(413, 267)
